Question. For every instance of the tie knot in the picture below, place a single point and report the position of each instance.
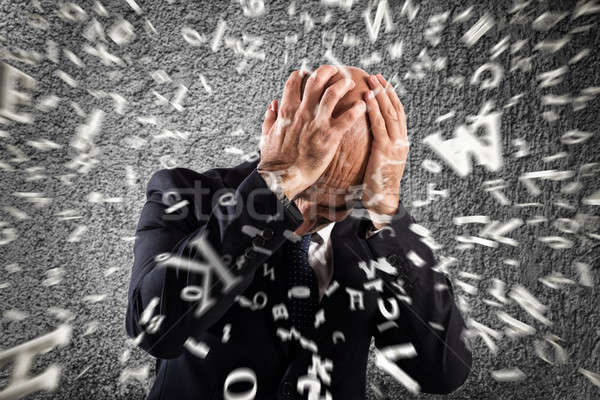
(305, 243)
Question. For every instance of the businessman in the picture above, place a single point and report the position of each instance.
(269, 280)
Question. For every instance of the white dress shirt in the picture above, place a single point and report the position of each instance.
(320, 255)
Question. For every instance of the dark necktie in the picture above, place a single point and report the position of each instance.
(302, 276)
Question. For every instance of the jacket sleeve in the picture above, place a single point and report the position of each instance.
(422, 338)
(188, 271)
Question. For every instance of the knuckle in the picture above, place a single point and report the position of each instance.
(391, 115)
(286, 110)
(295, 126)
(323, 69)
(295, 75)
(317, 144)
(313, 76)
(379, 122)
(352, 114)
(317, 125)
(304, 111)
(293, 79)
(331, 94)
(398, 109)
(322, 74)
(401, 113)
(319, 81)
(302, 116)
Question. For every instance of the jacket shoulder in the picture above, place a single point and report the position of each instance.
(183, 178)
(171, 178)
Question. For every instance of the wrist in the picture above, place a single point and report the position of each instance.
(289, 192)
(380, 220)
(282, 182)
(377, 225)
(278, 185)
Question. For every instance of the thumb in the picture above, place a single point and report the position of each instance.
(270, 117)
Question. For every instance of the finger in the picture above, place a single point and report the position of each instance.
(397, 105)
(375, 118)
(391, 93)
(314, 87)
(345, 121)
(332, 96)
(291, 97)
(387, 109)
(270, 117)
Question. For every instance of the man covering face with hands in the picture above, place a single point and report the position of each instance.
(325, 121)
(270, 283)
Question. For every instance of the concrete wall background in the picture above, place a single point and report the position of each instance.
(79, 226)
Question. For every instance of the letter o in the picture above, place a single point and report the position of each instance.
(263, 303)
(191, 293)
(166, 197)
(237, 375)
(227, 199)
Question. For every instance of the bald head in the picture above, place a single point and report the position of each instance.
(348, 165)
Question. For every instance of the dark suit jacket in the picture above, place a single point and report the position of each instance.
(245, 341)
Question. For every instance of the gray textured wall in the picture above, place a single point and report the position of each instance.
(67, 229)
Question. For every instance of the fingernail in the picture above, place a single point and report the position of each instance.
(272, 106)
(373, 80)
(369, 95)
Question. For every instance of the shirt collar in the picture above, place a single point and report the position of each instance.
(325, 232)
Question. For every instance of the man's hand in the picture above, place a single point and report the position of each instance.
(300, 139)
(381, 185)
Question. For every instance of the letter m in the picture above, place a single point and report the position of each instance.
(382, 13)
(466, 144)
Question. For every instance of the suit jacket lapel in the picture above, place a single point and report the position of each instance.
(349, 249)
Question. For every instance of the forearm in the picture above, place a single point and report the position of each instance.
(245, 230)
(435, 327)
(428, 316)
